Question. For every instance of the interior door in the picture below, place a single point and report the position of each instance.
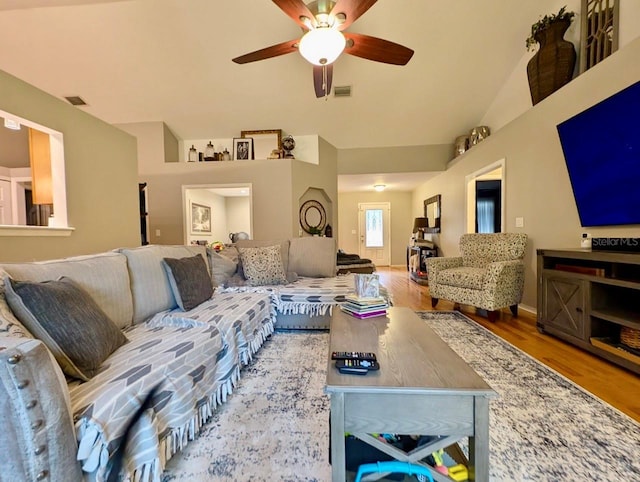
(5, 202)
(375, 232)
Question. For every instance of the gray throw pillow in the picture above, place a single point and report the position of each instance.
(263, 266)
(65, 317)
(222, 267)
(189, 280)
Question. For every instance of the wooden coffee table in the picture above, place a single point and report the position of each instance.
(423, 387)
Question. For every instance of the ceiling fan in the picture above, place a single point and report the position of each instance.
(323, 23)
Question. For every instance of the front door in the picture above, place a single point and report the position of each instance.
(375, 233)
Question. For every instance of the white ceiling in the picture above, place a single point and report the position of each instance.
(170, 60)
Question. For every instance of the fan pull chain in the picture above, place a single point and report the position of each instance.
(324, 83)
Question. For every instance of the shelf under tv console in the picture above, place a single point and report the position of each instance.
(588, 297)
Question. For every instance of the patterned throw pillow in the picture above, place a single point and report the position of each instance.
(9, 324)
(189, 279)
(65, 317)
(263, 266)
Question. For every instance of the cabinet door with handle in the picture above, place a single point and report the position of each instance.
(564, 305)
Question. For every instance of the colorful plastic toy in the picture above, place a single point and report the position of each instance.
(393, 467)
(458, 472)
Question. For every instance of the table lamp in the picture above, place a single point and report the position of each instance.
(418, 225)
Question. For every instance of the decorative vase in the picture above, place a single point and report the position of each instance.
(461, 145)
(288, 144)
(552, 65)
(478, 134)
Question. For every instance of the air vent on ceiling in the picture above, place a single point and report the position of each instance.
(342, 91)
(76, 100)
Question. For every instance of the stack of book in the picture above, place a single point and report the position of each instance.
(365, 307)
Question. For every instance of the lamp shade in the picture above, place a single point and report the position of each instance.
(419, 223)
(322, 45)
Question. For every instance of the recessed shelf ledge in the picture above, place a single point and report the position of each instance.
(43, 231)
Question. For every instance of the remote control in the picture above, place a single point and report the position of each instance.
(357, 367)
(353, 355)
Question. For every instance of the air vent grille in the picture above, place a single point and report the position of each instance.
(342, 91)
(76, 100)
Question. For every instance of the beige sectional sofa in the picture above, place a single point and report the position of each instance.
(63, 417)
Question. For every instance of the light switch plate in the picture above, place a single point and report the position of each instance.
(519, 222)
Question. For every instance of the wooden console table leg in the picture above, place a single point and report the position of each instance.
(479, 443)
(338, 471)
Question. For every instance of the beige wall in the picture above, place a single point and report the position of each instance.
(101, 177)
(238, 216)
(322, 176)
(394, 159)
(171, 145)
(14, 147)
(271, 190)
(401, 221)
(276, 186)
(537, 182)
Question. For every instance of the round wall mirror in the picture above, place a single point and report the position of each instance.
(313, 217)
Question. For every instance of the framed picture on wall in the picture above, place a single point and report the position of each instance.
(242, 148)
(200, 218)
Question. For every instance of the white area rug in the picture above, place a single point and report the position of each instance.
(542, 427)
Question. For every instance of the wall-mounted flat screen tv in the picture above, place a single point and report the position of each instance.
(602, 151)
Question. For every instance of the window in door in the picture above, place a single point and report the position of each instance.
(374, 228)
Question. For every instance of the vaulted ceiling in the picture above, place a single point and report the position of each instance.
(170, 60)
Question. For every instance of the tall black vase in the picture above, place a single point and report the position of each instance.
(552, 65)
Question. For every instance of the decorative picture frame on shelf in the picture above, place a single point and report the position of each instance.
(200, 218)
(264, 142)
(243, 148)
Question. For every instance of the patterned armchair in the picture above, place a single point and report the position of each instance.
(489, 274)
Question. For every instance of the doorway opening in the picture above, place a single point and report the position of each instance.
(489, 206)
(485, 193)
(213, 212)
(374, 223)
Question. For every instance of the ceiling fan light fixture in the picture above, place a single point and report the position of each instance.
(322, 46)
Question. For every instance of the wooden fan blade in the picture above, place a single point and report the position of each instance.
(351, 9)
(296, 9)
(322, 82)
(268, 52)
(377, 49)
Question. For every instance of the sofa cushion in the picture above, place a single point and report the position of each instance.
(284, 249)
(313, 256)
(104, 276)
(46, 425)
(65, 317)
(9, 324)
(189, 280)
(464, 277)
(149, 282)
(222, 266)
(263, 266)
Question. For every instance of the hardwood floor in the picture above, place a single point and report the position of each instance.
(615, 385)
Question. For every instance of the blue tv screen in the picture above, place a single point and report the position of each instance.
(602, 151)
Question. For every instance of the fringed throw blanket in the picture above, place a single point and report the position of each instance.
(307, 296)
